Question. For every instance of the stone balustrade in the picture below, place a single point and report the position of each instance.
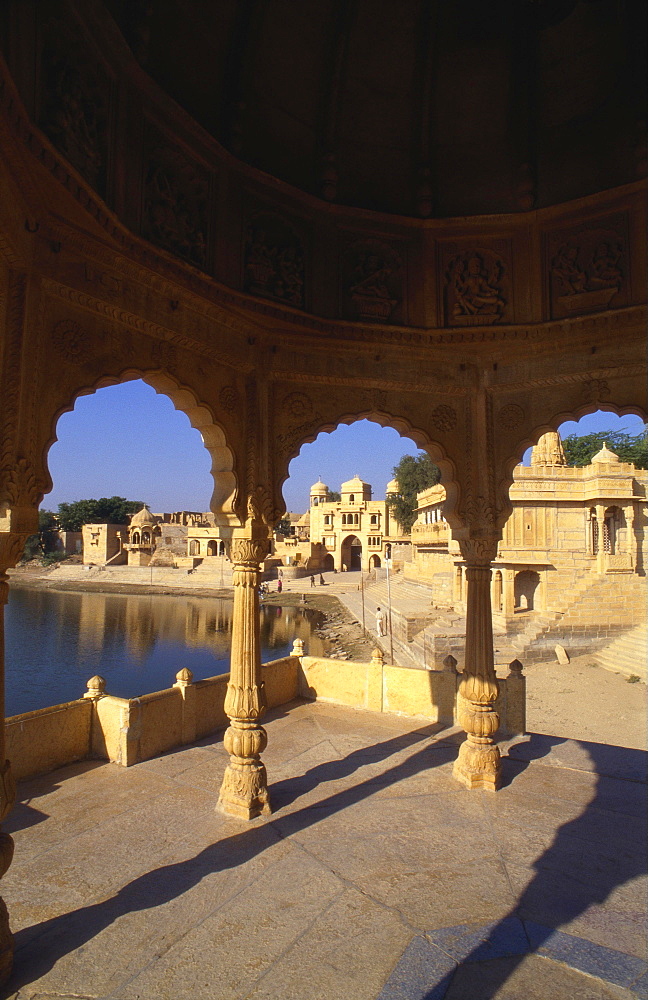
(127, 731)
(437, 533)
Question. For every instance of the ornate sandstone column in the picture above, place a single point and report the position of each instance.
(478, 764)
(244, 792)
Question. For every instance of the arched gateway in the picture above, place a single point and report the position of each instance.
(472, 302)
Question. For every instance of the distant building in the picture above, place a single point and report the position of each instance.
(574, 532)
(354, 532)
(143, 531)
(103, 544)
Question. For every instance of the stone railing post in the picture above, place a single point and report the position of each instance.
(184, 683)
(297, 648)
(244, 792)
(96, 691)
(96, 688)
(516, 699)
(478, 764)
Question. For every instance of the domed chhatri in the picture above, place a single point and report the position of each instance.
(142, 517)
(319, 488)
(605, 456)
(392, 488)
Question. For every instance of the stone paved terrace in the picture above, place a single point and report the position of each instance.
(377, 876)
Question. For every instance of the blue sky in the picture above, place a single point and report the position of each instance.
(127, 440)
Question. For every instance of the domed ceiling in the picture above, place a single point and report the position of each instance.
(417, 107)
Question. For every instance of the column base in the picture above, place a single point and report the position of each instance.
(244, 792)
(6, 937)
(478, 766)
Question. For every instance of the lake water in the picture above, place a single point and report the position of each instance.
(56, 640)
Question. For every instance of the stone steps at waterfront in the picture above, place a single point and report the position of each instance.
(628, 654)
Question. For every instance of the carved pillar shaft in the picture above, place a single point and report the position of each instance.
(478, 764)
(244, 792)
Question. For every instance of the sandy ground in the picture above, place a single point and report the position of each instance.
(580, 700)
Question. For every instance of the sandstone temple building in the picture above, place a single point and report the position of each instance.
(574, 547)
(435, 218)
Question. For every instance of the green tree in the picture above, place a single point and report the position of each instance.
(413, 475)
(44, 541)
(333, 497)
(106, 510)
(629, 447)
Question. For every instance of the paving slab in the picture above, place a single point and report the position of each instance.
(377, 875)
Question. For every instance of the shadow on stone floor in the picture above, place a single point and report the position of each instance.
(24, 814)
(39, 947)
(590, 856)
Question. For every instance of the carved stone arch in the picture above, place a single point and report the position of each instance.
(326, 416)
(557, 412)
(215, 435)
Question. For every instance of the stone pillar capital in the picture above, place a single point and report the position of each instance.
(479, 551)
(12, 544)
(249, 549)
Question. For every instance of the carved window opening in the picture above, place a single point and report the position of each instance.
(611, 525)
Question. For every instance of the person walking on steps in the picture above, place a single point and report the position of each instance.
(380, 622)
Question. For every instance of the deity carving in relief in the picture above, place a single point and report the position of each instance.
(74, 114)
(372, 281)
(175, 207)
(274, 259)
(587, 268)
(474, 289)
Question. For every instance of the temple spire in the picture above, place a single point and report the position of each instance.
(549, 450)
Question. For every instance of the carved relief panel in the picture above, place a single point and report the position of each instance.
(476, 282)
(74, 103)
(588, 267)
(274, 258)
(372, 282)
(175, 200)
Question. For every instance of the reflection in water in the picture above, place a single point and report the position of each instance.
(56, 641)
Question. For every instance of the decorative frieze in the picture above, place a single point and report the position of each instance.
(175, 200)
(511, 416)
(476, 284)
(372, 282)
(229, 398)
(444, 417)
(274, 259)
(71, 341)
(297, 405)
(75, 98)
(588, 267)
